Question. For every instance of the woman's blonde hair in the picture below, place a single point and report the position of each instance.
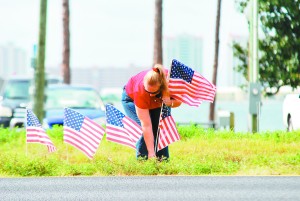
(157, 76)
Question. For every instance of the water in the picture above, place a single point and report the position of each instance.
(270, 117)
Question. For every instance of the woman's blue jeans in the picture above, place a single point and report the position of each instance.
(141, 149)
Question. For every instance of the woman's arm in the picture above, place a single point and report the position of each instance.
(146, 123)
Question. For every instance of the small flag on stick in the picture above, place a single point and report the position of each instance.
(35, 132)
(82, 132)
(189, 86)
(120, 128)
(168, 132)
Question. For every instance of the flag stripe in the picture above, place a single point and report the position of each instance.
(166, 138)
(36, 134)
(119, 135)
(70, 133)
(168, 127)
(118, 132)
(38, 140)
(186, 99)
(195, 85)
(78, 146)
(162, 143)
(118, 141)
(180, 87)
(199, 94)
(89, 136)
(51, 148)
(92, 128)
(133, 128)
(38, 137)
(191, 99)
(171, 129)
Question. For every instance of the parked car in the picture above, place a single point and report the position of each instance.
(291, 112)
(13, 99)
(84, 99)
(15, 95)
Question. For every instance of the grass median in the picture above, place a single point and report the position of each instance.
(199, 152)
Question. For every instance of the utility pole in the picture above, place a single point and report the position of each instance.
(158, 26)
(254, 86)
(66, 44)
(216, 62)
(39, 96)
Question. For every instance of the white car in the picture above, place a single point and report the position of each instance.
(291, 112)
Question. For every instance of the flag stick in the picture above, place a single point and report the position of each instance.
(26, 148)
(157, 133)
(26, 133)
(67, 153)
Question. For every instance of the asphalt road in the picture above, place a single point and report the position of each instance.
(151, 188)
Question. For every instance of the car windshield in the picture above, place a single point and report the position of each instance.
(17, 89)
(73, 98)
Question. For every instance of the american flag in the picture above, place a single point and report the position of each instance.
(35, 132)
(82, 132)
(120, 128)
(189, 86)
(168, 131)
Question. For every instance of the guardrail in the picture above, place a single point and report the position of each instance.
(225, 120)
(203, 124)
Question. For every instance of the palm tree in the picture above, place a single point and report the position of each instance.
(66, 43)
(215, 72)
(157, 56)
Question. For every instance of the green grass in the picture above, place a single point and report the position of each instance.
(199, 152)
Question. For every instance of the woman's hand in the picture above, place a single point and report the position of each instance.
(168, 101)
(171, 102)
(151, 156)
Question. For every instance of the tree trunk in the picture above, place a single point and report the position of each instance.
(66, 43)
(215, 72)
(39, 97)
(158, 57)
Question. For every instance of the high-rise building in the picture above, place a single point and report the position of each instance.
(100, 78)
(185, 48)
(12, 61)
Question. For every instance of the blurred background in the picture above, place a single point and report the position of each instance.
(112, 40)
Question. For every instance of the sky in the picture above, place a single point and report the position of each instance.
(117, 33)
